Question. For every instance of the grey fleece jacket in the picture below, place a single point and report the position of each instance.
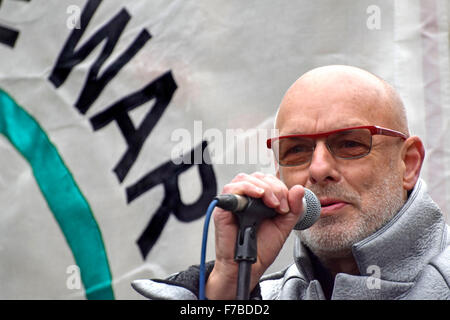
(408, 258)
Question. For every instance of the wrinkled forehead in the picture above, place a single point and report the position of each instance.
(315, 106)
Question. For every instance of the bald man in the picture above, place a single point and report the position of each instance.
(343, 134)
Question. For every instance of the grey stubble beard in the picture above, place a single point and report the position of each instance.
(333, 236)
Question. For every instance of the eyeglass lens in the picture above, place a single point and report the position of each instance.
(349, 144)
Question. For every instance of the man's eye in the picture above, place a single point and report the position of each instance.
(297, 149)
(350, 148)
(350, 144)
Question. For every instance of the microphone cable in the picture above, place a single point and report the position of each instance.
(208, 215)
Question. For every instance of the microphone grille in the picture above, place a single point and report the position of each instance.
(311, 211)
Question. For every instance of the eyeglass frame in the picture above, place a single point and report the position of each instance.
(374, 130)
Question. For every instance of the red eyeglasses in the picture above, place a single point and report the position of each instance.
(347, 143)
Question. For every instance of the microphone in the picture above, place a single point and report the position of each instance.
(254, 210)
(250, 212)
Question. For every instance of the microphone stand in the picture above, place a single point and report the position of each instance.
(245, 255)
(249, 217)
(250, 212)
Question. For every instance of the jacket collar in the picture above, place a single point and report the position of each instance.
(399, 250)
(407, 243)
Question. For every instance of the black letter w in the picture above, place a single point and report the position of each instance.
(69, 58)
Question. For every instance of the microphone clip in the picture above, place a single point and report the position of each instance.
(246, 249)
(249, 212)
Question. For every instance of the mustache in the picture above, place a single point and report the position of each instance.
(336, 191)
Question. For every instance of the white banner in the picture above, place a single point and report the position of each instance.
(100, 100)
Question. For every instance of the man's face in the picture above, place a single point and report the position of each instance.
(358, 196)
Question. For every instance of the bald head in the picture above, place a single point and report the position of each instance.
(336, 89)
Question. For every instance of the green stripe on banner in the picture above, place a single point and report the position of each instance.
(69, 207)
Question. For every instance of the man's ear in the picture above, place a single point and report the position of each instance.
(413, 155)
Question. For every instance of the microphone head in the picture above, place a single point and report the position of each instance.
(311, 211)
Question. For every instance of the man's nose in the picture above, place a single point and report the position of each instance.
(322, 168)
